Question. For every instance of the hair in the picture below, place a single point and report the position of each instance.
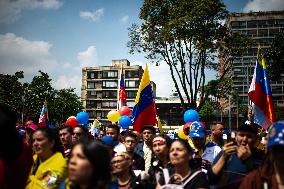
(113, 126)
(69, 129)
(188, 149)
(9, 135)
(52, 135)
(166, 137)
(149, 127)
(99, 158)
(214, 123)
(130, 134)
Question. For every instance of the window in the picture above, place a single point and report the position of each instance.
(131, 94)
(131, 84)
(109, 94)
(273, 32)
(262, 23)
(109, 74)
(91, 85)
(252, 24)
(91, 104)
(131, 73)
(237, 24)
(91, 94)
(109, 104)
(252, 33)
(91, 114)
(262, 33)
(110, 84)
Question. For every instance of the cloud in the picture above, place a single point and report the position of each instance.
(88, 57)
(64, 81)
(264, 5)
(124, 19)
(10, 11)
(92, 16)
(161, 76)
(20, 54)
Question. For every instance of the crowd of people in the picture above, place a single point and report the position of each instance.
(71, 158)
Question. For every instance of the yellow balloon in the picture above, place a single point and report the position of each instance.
(181, 133)
(113, 116)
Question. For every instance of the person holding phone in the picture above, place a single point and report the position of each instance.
(236, 159)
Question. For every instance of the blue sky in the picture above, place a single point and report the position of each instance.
(62, 36)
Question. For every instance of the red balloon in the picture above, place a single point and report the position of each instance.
(124, 111)
(71, 122)
(186, 128)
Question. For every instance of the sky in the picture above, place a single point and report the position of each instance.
(60, 37)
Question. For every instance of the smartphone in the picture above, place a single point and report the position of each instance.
(232, 140)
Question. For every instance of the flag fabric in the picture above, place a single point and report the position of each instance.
(144, 110)
(122, 93)
(261, 96)
(42, 121)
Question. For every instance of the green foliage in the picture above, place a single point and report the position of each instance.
(208, 110)
(29, 97)
(183, 34)
(275, 58)
(11, 90)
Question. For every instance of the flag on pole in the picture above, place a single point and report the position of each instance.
(144, 110)
(261, 96)
(121, 93)
(42, 121)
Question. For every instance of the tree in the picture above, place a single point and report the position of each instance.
(63, 104)
(183, 34)
(28, 98)
(275, 58)
(11, 90)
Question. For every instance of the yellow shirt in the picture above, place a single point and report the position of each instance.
(49, 173)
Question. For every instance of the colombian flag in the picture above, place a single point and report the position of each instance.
(144, 110)
(261, 96)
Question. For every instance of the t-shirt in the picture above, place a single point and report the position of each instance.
(211, 151)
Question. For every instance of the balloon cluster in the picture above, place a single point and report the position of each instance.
(189, 116)
(82, 118)
(121, 116)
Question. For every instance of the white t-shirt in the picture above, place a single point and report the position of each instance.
(211, 151)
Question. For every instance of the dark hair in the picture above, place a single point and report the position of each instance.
(216, 123)
(69, 129)
(113, 126)
(99, 158)
(249, 128)
(130, 134)
(10, 140)
(166, 137)
(149, 127)
(52, 135)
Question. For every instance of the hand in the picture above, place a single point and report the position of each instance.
(243, 152)
(229, 149)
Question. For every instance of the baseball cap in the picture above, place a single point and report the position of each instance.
(249, 128)
(196, 130)
(276, 134)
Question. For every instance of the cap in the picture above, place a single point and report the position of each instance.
(249, 128)
(32, 126)
(276, 134)
(196, 130)
(108, 141)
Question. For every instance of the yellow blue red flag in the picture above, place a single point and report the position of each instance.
(144, 110)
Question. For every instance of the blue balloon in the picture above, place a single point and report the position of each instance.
(190, 116)
(82, 117)
(124, 122)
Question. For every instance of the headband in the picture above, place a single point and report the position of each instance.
(159, 139)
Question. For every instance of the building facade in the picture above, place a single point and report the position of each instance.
(262, 27)
(99, 92)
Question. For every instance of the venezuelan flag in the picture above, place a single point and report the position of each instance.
(261, 96)
(144, 110)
